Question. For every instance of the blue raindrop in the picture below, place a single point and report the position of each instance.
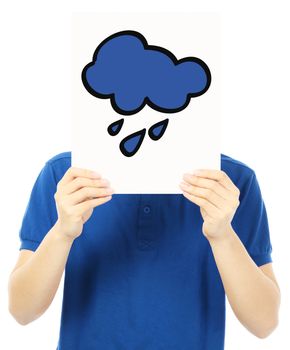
(114, 128)
(157, 130)
(131, 143)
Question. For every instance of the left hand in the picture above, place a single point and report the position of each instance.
(217, 197)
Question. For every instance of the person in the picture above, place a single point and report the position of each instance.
(146, 271)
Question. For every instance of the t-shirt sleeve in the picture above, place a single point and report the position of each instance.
(251, 223)
(40, 213)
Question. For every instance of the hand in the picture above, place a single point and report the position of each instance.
(217, 197)
(78, 192)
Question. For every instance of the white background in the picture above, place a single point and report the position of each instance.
(35, 114)
(157, 165)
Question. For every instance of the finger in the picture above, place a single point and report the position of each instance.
(218, 175)
(80, 182)
(89, 192)
(204, 193)
(210, 184)
(210, 209)
(89, 204)
(74, 172)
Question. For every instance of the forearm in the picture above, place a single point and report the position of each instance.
(33, 285)
(253, 296)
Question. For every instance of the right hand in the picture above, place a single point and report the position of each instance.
(78, 193)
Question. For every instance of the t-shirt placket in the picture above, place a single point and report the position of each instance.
(146, 222)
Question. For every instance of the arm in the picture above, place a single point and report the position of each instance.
(253, 292)
(33, 284)
(253, 296)
(36, 277)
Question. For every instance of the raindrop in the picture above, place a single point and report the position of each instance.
(114, 128)
(157, 130)
(131, 143)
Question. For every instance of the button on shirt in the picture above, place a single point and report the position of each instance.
(142, 274)
(147, 209)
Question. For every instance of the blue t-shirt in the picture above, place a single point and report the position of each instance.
(142, 275)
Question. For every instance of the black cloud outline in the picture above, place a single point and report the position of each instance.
(146, 100)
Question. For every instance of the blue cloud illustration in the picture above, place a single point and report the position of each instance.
(131, 73)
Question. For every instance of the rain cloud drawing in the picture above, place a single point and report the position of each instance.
(132, 74)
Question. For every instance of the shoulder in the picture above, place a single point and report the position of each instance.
(239, 172)
(62, 157)
(59, 163)
(235, 166)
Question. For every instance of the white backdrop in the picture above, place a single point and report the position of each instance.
(35, 112)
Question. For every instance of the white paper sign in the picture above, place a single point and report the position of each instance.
(145, 97)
